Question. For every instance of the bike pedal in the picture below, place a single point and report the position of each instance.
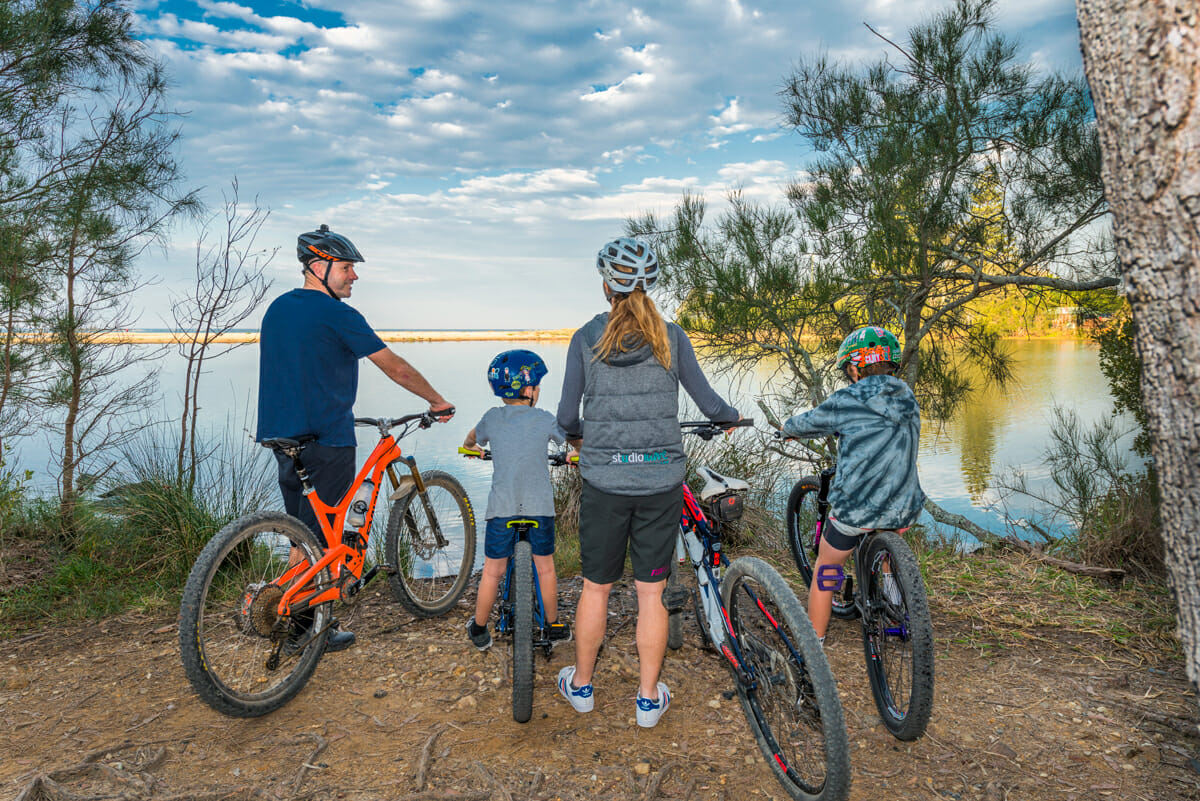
(729, 694)
(675, 599)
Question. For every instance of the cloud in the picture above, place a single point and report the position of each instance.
(453, 131)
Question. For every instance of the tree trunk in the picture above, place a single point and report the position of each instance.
(1142, 60)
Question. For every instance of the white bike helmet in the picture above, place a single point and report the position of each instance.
(627, 264)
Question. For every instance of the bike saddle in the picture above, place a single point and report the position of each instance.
(716, 484)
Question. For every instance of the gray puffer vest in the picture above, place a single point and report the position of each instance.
(631, 439)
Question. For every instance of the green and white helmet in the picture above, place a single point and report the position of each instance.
(869, 345)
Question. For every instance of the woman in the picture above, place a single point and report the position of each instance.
(626, 365)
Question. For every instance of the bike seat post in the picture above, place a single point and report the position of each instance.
(301, 472)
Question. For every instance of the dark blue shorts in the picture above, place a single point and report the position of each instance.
(499, 539)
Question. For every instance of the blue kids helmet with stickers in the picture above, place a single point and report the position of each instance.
(513, 370)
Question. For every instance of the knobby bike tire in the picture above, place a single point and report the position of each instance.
(898, 640)
(428, 580)
(801, 529)
(674, 589)
(228, 626)
(792, 701)
(521, 594)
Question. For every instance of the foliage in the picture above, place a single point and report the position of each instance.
(87, 183)
(1107, 507)
(1123, 369)
(49, 52)
(945, 173)
(229, 286)
(134, 545)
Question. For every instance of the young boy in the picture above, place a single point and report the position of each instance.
(878, 424)
(517, 433)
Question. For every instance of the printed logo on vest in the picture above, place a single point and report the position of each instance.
(659, 457)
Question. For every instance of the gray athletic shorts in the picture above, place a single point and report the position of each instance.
(645, 524)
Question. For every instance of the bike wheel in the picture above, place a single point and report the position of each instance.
(231, 638)
(431, 574)
(522, 631)
(898, 638)
(791, 701)
(802, 520)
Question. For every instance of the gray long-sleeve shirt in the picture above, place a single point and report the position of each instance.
(632, 444)
(878, 424)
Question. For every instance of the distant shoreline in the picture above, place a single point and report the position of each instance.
(495, 335)
(173, 337)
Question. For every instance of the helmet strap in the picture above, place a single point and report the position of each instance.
(322, 278)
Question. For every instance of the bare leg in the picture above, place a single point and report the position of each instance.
(591, 620)
(548, 584)
(820, 602)
(651, 635)
(489, 588)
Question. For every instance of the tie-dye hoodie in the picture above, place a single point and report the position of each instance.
(878, 424)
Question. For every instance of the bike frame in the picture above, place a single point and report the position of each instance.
(860, 575)
(347, 552)
(504, 620)
(697, 541)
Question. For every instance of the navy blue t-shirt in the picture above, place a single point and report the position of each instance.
(308, 353)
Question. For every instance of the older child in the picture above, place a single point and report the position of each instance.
(878, 424)
(517, 434)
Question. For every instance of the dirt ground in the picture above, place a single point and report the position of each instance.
(413, 711)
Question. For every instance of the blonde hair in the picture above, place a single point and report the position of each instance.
(633, 322)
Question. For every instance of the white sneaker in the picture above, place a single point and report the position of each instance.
(579, 697)
(891, 590)
(649, 712)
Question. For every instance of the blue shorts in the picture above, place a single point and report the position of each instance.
(499, 539)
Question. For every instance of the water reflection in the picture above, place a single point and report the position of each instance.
(996, 431)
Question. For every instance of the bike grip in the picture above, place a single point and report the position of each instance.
(469, 452)
(443, 412)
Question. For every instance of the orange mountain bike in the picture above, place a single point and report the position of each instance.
(258, 604)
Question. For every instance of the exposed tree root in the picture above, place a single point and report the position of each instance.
(1111, 575)
(426, 755)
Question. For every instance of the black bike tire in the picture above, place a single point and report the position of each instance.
(791, 616)
(201, 669)
(402, 517)
(674, 616)
(521, 594)
(910, 722)
(800, 540)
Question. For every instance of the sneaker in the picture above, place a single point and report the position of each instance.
(557, 633)
(338, 640)
(649, 712)
(891, 590)
(579, 697)
(481, 638)
(300, 635)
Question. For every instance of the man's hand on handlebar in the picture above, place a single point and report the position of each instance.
(442, 411)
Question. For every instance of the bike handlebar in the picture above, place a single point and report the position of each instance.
(707, 429)
(422, 419)
(556, 458)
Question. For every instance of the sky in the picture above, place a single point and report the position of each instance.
(480, 152)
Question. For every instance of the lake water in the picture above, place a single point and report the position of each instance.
(996, 432)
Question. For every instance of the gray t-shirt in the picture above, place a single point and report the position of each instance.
(517, 436)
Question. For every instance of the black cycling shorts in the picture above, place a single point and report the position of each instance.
(645, 525)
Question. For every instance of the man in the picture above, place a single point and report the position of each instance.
(309, 348)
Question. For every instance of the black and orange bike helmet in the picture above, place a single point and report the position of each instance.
(324, 245)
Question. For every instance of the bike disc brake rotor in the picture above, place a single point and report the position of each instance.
(258, 613)
(777, 669)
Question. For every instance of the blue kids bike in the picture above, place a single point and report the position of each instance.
(520, 611)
